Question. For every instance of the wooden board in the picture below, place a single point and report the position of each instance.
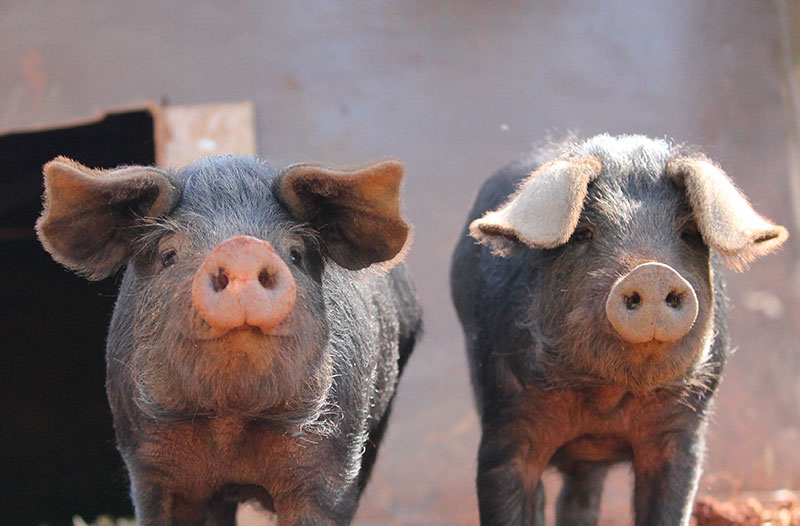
(187, 133)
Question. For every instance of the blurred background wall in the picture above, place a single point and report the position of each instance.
(456, 89)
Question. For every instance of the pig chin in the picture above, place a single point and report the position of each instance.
(243, 371)
(601, 354)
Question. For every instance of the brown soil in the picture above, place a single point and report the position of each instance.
(781, 508)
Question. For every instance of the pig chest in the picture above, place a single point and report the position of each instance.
(603, 424)
(193, 461)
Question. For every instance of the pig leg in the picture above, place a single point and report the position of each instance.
(151, 503)
(509, 488)
(157, 506)
(316, 497)
(303, 509)
(221, 513)
(579, 501)
(538, 517)
(666, 475)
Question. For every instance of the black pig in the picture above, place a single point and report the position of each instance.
(249, 355)
(594, 316)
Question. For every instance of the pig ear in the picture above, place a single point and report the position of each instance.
(357, 212)
(724, 217)
(88, 216)
(544, 211)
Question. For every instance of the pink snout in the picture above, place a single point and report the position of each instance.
(652, 302)
(243, 282)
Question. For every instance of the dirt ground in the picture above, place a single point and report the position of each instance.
(780, 508)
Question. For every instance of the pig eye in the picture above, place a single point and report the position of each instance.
(297, 256)
(169, 258)
(582, 234)
(691, 234)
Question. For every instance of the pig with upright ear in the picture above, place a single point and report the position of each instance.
(589, 287)
(263, 321)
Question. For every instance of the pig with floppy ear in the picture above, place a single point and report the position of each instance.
(724, 216)
(88, 216)
(357, 210)
(166, 370)
(544, 211)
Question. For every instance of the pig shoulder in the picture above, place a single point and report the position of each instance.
(492, 294)
(374, 320)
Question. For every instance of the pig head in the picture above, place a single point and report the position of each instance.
(624, 299)
(221, 309)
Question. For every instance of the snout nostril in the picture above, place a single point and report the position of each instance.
(242, 283)
(652, 302)
(220, 281)
(633, 301)
(674, 299)
(266, 279)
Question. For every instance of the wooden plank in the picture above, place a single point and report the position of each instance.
(187, 133)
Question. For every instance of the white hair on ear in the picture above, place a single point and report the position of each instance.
(544, 211)
(727, 221)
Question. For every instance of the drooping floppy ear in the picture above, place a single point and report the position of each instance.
(357, 212)
(88, 215)
(724, 216)
(544, 211)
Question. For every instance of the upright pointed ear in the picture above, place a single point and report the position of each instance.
(724, 216)
(357, 212)
(88, 216)
(544, 211)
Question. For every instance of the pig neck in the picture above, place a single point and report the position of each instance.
(606, 399)
(227, 432)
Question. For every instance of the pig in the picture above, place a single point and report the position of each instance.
(263, 319)
(588, 284)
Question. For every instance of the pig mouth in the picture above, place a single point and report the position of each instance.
(201, 332)
(653, 351)
(245, 332)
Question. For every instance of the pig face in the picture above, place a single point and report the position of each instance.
(627, 227)
(222, 306)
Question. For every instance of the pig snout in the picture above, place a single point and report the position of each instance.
(243, 282)
(652, 302)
